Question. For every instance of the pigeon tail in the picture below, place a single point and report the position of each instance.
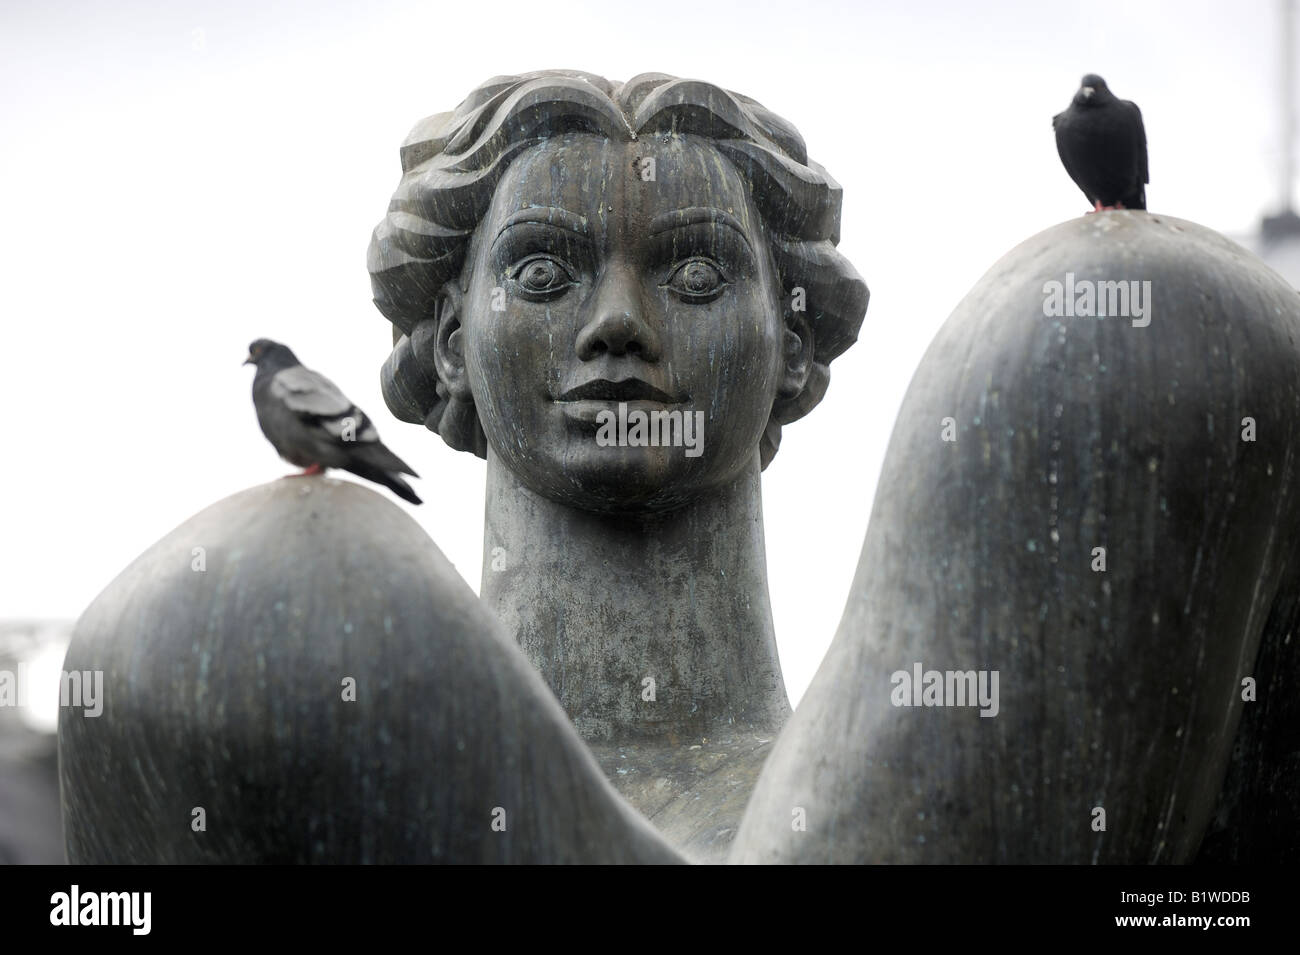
(376, 455)
(386, 478)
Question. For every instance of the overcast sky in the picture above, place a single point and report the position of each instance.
(178, 179)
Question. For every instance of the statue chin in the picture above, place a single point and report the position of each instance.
(621, 480)
(609, 494)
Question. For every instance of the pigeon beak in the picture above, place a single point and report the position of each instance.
(1088, 91)
(249, 361)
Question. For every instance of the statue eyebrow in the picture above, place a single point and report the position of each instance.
(548, 215)
(695, 215)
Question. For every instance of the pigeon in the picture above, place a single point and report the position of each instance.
(314, 425)
(1103, 147)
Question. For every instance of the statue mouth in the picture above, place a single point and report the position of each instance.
(629, 389)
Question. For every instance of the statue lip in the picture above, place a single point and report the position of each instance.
(629, 389)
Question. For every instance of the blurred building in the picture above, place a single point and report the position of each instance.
(1278, 244)
(1278, 239)
(31, 825)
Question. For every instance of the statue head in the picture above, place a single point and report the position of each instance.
(566, 257)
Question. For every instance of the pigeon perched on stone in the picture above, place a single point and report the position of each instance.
(314, 425)
(1103, 147)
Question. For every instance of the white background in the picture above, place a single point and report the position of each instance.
(178, 179)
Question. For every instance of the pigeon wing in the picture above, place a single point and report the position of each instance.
(1068, 148)
(1141, 140)
(309, 393)
(319, 402)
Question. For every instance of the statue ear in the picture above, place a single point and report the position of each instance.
(449, 353)
(798, 345)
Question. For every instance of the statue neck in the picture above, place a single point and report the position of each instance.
(604, 604)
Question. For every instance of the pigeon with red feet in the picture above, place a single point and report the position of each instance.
(314, 425)
(1103, 147)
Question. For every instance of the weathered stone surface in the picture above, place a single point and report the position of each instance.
(561, 250)
(695, 789)
(1257, 819)
(600, 605)
(225, 690)
(1119, 690)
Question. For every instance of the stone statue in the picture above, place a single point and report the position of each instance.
(1069, 635)
(1113, 529)
(561, 245)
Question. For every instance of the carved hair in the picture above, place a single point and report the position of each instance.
(452, 162)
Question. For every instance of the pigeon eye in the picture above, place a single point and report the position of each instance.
(697, 281)
(542, 275)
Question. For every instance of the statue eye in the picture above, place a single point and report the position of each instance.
(542, 274)
(697, 280)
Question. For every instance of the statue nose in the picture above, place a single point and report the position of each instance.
(618, 325)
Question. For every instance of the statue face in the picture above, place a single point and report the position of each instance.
(598, 282)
